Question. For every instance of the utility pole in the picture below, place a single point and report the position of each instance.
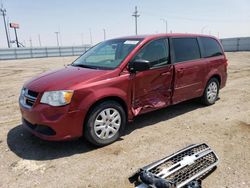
(166, 24)
(136, 15)
(39, 40)
(57, 39)
(3, 12)
(8, 28)
(82, 38)
(104, 34)
(90, 35)
(60, 37)
(31, 42)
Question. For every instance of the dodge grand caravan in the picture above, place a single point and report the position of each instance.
(119, 79)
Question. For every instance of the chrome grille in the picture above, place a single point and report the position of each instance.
(191, 163)
(28, 98)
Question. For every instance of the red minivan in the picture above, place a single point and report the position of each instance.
(119, 79)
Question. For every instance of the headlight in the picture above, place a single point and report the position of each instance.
(23, 91)
(21, 98)
(57, 98)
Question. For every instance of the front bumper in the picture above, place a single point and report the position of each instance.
(53, 123)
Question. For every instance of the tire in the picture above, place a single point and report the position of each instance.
(211, 92)
(105, 123)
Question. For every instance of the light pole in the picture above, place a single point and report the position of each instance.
(136, 15)
(90, 35)
(3, 12)
(31, 42)
(39, 40)
(202, 29)
(166, 24)
(104, 34)
(82, 38)
(57, 39)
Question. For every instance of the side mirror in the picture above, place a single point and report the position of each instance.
(139, 65)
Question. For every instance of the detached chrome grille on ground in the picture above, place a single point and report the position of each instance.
(178, 170)
(28, 98)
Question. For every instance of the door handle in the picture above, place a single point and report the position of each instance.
(165, 73)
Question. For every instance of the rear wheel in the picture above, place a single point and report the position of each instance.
(211, 92)
(105, 123)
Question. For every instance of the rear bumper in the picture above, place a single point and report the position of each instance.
(223, 81)
(53, 123)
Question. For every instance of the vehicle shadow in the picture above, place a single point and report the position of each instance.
(27, 146)
(163, 115)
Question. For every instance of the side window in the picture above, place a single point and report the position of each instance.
(211, 47)
(156, 52)
(186, 49)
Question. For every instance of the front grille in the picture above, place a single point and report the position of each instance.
(32, 93)
(177, 158)
(189, 171)
(28, 98)
(189, 164)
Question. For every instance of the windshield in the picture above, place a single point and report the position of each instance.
(107, 55)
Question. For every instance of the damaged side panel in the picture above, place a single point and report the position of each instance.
(152, 89)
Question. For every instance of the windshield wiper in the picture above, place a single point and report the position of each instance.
(84, 66)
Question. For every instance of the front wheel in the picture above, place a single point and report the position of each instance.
(211, 92)
(105, 123)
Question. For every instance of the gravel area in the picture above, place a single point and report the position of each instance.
(26, 161)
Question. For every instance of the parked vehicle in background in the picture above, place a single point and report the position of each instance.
(119, 79)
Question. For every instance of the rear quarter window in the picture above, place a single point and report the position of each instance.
(211, 47)
(185, 49)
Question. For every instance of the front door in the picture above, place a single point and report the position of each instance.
(152, 88)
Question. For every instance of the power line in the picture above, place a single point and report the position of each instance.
(177, 17)
(136, 15)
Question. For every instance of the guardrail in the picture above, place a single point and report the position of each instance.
(25, 53)
(236, 44)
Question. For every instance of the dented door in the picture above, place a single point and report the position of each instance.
(152, 88)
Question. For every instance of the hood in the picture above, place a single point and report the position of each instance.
(66, 78)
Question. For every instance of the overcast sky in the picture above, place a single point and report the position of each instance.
(75, 18)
